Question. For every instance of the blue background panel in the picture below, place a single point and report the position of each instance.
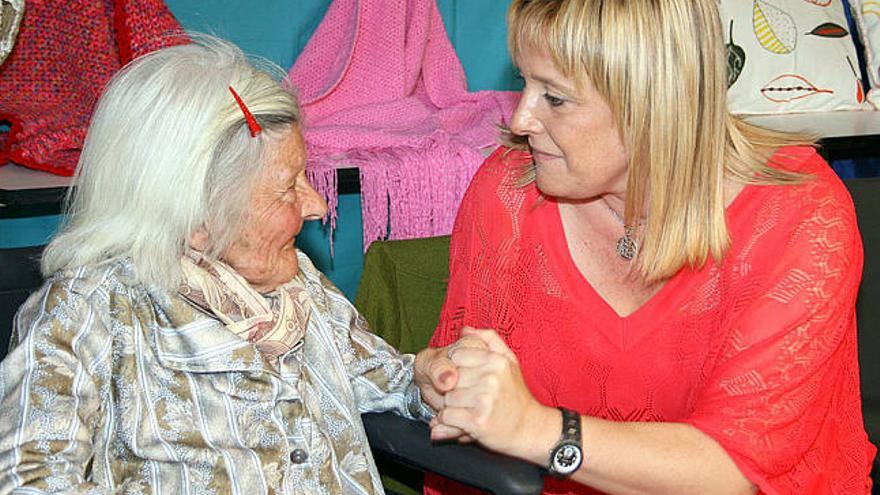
(27, 231)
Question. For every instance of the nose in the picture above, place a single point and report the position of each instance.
(312, 204)
(524, 122)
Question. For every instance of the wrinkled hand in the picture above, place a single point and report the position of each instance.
(490, 402)
(436, 374)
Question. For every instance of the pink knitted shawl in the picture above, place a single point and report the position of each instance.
(382, 90)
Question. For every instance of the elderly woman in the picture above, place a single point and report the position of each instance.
(681, 284)
(181, 344)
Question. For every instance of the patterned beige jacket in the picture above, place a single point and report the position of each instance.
(116, 388)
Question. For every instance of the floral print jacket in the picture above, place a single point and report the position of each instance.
(119, 388)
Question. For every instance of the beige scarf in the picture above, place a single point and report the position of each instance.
(274, 322)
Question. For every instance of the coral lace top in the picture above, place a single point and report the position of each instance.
(758, 351)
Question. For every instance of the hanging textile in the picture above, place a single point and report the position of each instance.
(383, 91)
(64, 54)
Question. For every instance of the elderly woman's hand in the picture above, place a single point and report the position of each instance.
(491, 402)
(436, 374)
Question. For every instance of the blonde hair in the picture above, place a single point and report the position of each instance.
(661, 66)
(169, 152)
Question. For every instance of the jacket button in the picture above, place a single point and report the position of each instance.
(298, 456)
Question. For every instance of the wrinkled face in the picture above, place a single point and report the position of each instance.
(576, 146)
(282, 199)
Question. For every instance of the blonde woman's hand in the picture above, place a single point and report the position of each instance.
(490, 402)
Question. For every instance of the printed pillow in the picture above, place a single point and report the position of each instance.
(790, 56)
(867, 14)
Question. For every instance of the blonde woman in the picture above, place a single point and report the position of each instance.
(666, 292)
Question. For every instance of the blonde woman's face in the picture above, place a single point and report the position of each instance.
(575, 144)
(283, 197)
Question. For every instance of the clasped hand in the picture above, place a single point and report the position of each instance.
(478, 390)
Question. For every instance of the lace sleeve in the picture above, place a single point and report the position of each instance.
(783, 395)
(451, 316)
(467, 247)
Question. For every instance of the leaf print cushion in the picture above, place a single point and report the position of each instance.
(867, 15)
(790, 56)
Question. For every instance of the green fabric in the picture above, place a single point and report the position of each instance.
(401, 293)
(392, 474)
(402, 289)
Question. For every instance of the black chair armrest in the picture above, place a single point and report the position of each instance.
(19, 276)
(408, 442)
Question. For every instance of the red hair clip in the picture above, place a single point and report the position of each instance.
(248, 116)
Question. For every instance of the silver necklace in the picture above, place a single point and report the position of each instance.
(627, 247)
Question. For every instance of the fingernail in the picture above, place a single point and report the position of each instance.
(446, 376)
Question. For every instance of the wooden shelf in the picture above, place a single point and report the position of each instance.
(844, 135)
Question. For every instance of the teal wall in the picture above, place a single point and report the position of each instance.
(278, 30)
(27, 231)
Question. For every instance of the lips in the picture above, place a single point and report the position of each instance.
(542, 155)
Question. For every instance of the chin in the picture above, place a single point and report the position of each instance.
(280, 276)
(286, 274)
(557, 187)
(549, 186)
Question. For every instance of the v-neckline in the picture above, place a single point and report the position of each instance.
(661, 301)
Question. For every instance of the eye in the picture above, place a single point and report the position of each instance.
(553, 101)
(290, 193)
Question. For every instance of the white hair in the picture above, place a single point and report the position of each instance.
(169, 152)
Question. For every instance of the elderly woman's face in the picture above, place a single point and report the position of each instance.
(574, 141)
(283, 197)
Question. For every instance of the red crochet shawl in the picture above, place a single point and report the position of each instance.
(64, 54)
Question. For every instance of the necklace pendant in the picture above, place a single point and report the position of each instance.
(627, 247)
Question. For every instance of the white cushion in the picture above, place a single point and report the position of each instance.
(867, 15)
(794, 56)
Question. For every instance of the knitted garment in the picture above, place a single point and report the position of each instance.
(382, 90)
(757, 351)
(65, 53)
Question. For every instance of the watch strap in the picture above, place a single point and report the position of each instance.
(571, 426)
(567, 454)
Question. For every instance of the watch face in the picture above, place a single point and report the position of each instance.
(567, 458)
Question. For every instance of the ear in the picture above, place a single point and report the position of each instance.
(198, 240)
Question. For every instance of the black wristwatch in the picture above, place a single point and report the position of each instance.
(567, 456)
